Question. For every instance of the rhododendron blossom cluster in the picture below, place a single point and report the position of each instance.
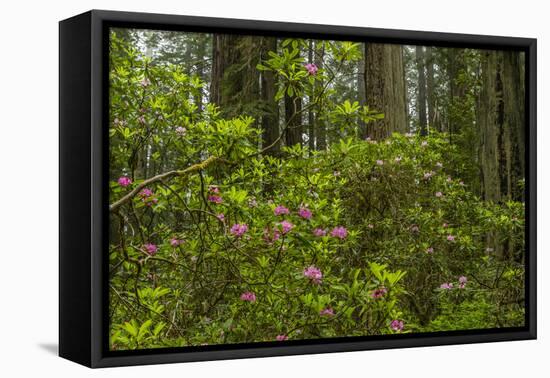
(339, 232)
(150, 249)
(314, 274)
(124, 181)
(248, 296)
(281, 210)
(238, 229)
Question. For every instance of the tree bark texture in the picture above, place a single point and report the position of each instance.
(385, 88)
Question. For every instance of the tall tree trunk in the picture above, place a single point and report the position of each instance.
(293, 120)
(270, 117)
(421, 99)
(501, 123)
(219, 64)
(235, 79)
(433, 118)
(361, 93)
(310, 114)
(385, 88)
(456, 66)
(320, 126)
(201, 69)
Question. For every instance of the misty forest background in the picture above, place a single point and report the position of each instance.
(272, 189)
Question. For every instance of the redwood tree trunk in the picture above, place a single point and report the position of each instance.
(385, 88)
(501, 123)
(270, 117)
(421, 100)
(433, 119)
(320, 126)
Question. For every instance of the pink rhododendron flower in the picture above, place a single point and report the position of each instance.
(147, 197)
(327, 312)
(449, 179)
(281, 337)
(305, 213)
(397, 325)
(281, 210)
(311, 68)
(370, 225)
(461, 183)
(314, 274)
(439, 194)
(462, 280)
(379, 293)
(145, 193)
(124, 181)
(238, 229)
(141, 119)
(145, 82)
(248, 296)
(215, 199)
(415, 229)
(174, 242)
(221, 217)
(446, 285)
(450, 238)
(180, 130)
(430, 250)
(150, 249)
(213, 189)
(319, 232)
(286, 226)
(339, 232)
(380, 162)
(445, 225)
(336, 173)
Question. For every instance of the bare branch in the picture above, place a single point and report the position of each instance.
(163, 176)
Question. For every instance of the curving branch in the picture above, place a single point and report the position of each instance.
(163, 176)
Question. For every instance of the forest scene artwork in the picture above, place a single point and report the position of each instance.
(267, 189)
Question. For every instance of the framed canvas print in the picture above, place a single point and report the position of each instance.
(234, 188)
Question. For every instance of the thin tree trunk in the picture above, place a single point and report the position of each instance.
(320, 126)
(361, 93)
(433, 119)
(310, 115)
(421, 100)
(457, 89)
(270, 117)
(293, 120)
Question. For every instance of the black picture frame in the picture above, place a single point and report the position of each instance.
(83, 206)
